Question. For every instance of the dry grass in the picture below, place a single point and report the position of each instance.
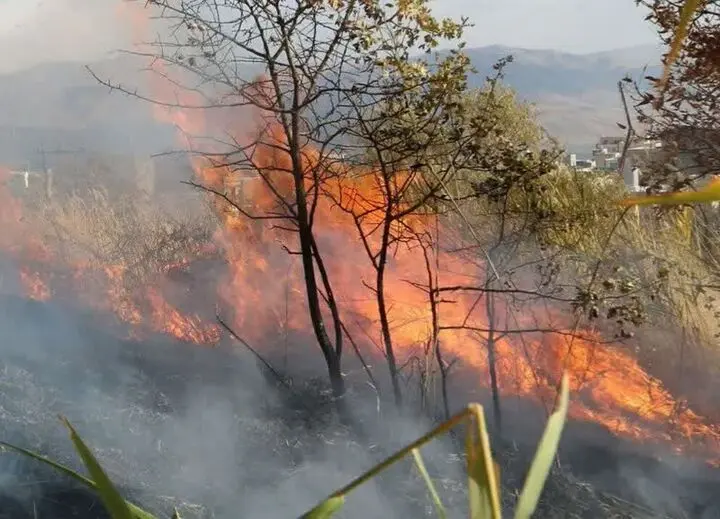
(109, 230)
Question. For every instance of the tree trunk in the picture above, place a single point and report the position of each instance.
(492, 362)
(332, 359)
(385, 327)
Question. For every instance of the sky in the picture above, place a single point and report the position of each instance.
(52, 30)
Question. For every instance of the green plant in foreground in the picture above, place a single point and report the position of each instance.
(483, 484)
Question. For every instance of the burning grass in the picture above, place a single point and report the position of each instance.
(154, 451)
(119, 254)
(123, 256)
(452, 307)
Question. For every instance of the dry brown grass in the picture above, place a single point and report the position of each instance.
(102, 229)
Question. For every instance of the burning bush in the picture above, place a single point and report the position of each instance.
(99, 229)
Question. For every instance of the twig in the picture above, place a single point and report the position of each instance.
(265, 363)
(630, 129)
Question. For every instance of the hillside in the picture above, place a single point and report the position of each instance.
(60, 106)
(576, 94)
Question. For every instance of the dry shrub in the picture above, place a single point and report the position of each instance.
(657, 267)
(125, 229)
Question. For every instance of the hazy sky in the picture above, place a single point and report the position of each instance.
(32, 31)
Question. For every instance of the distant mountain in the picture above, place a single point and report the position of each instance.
(59, 105)
(576, 94)
(535, 73)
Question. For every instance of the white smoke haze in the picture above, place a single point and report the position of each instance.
(58, 30)
(169, 419)
(209, 428)
(179, 425)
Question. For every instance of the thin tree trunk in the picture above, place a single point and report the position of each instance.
(332, 360)
(433, 283)
(385, 327)
(492, 362)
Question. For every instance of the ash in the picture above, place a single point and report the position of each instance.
(208, 432)
(176, 425)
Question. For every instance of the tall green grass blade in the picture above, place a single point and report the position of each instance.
(137, 512)
(326, 509)
(483, 491)
(53, 464)
(387, 462)
(689, 8)
(420, 464)
(540, 468)
(111, 498)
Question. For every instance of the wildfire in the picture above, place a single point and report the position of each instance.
(264, 282)
(104, 286)
(33, 285)
(187, 328)
(609, 385)
(265, 288)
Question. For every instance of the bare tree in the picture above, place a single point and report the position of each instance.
(324, 64)
(684, 114)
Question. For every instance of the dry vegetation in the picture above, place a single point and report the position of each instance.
(101, 229)
(486, 173)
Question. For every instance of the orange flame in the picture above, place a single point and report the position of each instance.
(264, 283)
(104, 287)
(34, 286)
(610, 387)
(187, 328)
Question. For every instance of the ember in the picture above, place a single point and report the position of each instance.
(35, 287)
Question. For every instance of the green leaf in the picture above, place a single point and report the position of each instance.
(137, 512)
(429, 483)
(689, 8)
(111, 498)
(482, 476)
(336, 499)
(55, 465)
(708, 193)
(544, 456)
(326, 509)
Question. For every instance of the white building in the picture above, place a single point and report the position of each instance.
(607, 153)
(639, 153)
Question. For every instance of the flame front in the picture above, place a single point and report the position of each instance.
(104, 286)
(264, 287)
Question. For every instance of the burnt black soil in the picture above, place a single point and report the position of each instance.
(41, 346)
(34, 491)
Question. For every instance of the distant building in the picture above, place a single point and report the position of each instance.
(607, 153)
(585, 165)
(640, 153)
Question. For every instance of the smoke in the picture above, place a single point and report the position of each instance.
(61, 30)
(170, 419)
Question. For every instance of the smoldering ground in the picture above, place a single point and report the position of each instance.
(203, 427)
(209, 431)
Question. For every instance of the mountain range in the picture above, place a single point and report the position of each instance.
(60, 106)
